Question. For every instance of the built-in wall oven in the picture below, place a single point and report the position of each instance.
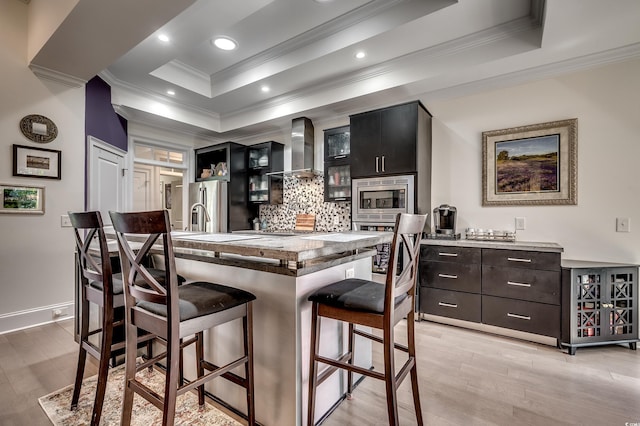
(375, 203)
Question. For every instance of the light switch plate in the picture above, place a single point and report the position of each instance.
(520, 223)
(65, 222)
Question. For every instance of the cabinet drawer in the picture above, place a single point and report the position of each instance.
(525, 284)
(451, 276)
(531, 317)
(452, 304)
(521, 259)
(450, 254)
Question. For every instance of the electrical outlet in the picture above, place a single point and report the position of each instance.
(349, 273)
(521, 223)
(336, 220)
(60, 312)
(65, 222)
(623, 224)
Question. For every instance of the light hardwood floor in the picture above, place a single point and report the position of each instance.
(466, 378)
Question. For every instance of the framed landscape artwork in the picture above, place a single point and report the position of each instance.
(530, 165)
(36, 162)
(21, 199)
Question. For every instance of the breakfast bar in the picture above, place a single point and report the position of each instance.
(281, 271)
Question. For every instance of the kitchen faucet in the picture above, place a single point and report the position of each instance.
(207, 218)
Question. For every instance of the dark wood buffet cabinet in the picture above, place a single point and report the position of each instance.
(512, 289)
(530, 289)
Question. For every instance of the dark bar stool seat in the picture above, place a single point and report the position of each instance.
(177, 316)
(371, 304)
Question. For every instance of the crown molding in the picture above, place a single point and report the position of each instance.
(56, 76)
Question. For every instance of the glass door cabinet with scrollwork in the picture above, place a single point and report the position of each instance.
(599, 304)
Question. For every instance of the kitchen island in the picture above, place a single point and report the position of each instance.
(281, 271)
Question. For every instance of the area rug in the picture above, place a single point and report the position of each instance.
(56, 405)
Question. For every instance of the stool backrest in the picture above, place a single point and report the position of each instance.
(94, 260)
(406, 240)
(146, 227)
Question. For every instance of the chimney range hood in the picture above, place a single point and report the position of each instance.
(302, 146)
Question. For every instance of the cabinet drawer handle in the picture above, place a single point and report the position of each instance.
(339, 156)
(518, 284)
(448, 276)
(516, 259)
(383, 163)
(524, 317)
(377, 162)
(339, 199)
(440, 253)
(448, 305)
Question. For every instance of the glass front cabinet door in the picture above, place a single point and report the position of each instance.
(337, 166)
(263, 160)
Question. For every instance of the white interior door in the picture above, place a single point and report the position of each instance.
(106, 178)
(141, 188)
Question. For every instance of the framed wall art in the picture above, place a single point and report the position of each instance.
(530, 165)
(36, 162)
(21, 199)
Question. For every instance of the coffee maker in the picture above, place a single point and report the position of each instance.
(444, 222)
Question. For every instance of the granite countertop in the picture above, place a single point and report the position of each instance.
(506, 245)
(290, 254)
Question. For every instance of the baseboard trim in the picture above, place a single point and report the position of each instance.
(14, 321)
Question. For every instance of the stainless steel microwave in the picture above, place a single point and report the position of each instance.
(380, 199)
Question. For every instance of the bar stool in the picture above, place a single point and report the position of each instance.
(174, 314)
(371, 304)
(98, 286)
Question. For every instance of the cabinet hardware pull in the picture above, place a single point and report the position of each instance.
(377, 162)
(383, 163)
(448, 305)
(518, 284)
(448, 276)
(339, 199)
(339, 156)
(440, 253)
(515, 259)
(524, 317)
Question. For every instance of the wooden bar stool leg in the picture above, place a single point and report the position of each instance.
(130, 371)
(351, 349)
(313, 365)
(414, 370)
(82, 353)
(103, 370)
(172, 379)
(248, 367)
(199, 367)
(390, 376)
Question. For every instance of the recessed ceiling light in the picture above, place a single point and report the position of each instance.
(265, 89)
(225, 43)
(360, 55)
(163, 38)
(171, 92)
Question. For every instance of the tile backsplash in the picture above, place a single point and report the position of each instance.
(306, 195)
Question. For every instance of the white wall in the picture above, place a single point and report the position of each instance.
(606, 102)
(36, 254)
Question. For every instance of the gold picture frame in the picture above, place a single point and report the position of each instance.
(22, 199)
(530, 165)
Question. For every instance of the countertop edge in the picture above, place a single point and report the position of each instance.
(505, 245)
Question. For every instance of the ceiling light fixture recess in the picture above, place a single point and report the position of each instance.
(265, 89)
(360, 55)
(163, 38)
(225, 43)
(171, 92)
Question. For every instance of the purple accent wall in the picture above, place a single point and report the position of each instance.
(101, 121)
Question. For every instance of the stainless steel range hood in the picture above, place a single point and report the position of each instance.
(302, 146)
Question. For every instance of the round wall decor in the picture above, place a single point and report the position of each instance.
(38, 128)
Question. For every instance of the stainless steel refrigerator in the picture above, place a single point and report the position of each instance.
(209, 206)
